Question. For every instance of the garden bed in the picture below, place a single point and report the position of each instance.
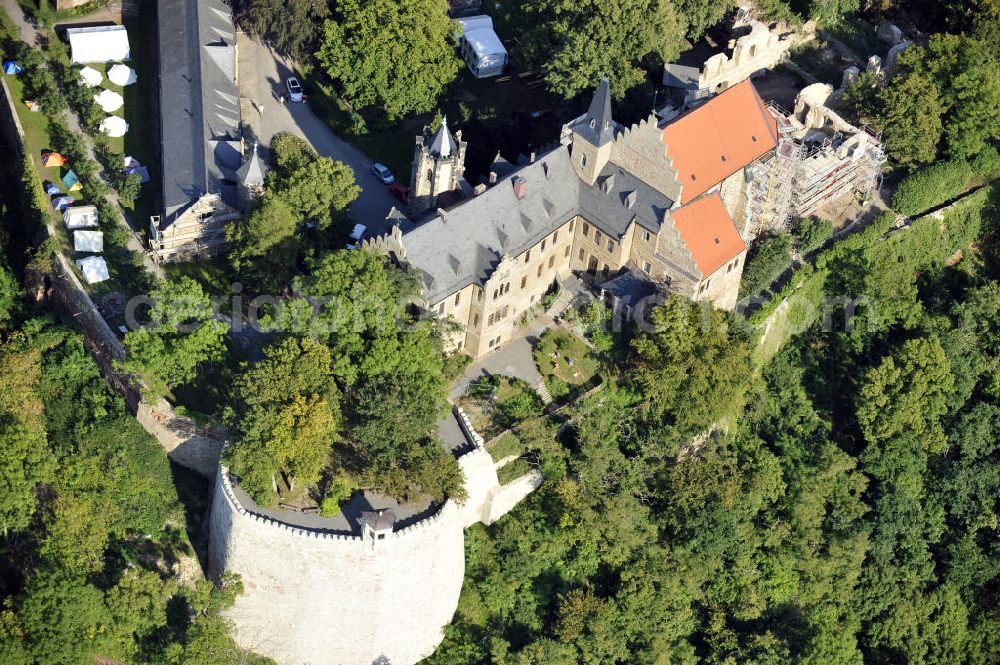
(565, 362)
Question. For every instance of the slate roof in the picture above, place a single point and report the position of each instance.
(630, 287)
(720, 137)
(252, 172)
(199, 102)
(597, 126)
(464, 245)
(443, 144)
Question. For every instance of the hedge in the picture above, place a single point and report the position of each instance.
(943, 181)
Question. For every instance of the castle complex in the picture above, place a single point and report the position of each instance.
(655, 202)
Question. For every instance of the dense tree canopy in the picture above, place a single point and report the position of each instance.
(182, 333)
(399, 56)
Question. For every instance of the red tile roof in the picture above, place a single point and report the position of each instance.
(719, 138)
(709, 233)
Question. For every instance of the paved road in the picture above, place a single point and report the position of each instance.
(262, 73)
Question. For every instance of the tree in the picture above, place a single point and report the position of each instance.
(64, 620)
(10, 295)
(398, 55)
(181, 335)
(316, 189)
(691, 369)
(268, 234)
(292, 28)
(23, 459)
(129, 186)
(287, 413)
(581, 41)
(910, 116)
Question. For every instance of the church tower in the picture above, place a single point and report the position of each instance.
(593, 135)
(438, 167)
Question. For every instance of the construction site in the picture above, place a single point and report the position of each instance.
(823, 167)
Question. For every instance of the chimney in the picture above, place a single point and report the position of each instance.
(479, 189)
(520, 187)
(493, 177)
(531, 157)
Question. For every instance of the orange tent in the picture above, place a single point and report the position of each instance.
(53, 159)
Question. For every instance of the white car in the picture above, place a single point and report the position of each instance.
(382, 172)
(294, 89)
(357, 235)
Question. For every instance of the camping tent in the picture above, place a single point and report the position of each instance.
(114, 126)
(61, 203)
(51, 188)
(32, 105)
(50, 158)
(72, 181)
(82, 217)
(88, 241)
(109, 100)
(100, 43)
(11, 67)
(90, 77)
(481, 48)
(94, 269)
(122, 75)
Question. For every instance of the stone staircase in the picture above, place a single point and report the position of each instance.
(543, 392)
(569, 288)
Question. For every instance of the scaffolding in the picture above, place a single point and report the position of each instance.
(804, 174)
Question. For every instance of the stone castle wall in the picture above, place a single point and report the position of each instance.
(315, 598)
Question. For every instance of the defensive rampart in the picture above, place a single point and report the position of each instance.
(319, 598)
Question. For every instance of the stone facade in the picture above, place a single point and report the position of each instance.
(438, 167)
(198, 231)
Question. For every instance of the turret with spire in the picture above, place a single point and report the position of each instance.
(251, 179)
(438, 166)
(592, 135)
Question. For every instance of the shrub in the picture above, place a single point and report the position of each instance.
(943, 181)
(771, 255)
(340, 490)
(557, 387)
(519, 406)
(810, 233)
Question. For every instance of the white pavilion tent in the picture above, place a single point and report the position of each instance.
(122, 75)
(114, 126)
(99, 43)
(109, 100)
(90, 77)
(88, 241)
(94, 269)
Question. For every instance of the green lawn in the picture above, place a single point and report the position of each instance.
(513, 471)
(213, 275)
(565, 361)
(495, 403)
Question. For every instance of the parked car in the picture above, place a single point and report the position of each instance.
(382, 172)
(294, 89)
(401, 192)
(357, 235)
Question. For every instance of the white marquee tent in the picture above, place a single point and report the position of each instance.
(94, 269)
(90, 77)
(122, 75)
(102, 43)
(80, 217)
(109, 100)
(114, 126)
(88, 241)
(481, 48)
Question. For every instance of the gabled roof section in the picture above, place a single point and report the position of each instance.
(199, 102)
(708, 232)
(597, 126)
(720, 137)
(443, 144)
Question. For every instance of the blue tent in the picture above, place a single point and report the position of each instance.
(62, 203)
(72, 181)
(11, 67)
(51, 188)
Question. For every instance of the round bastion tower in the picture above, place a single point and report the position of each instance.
(374, 585)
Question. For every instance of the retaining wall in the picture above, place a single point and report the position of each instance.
(187, 443)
